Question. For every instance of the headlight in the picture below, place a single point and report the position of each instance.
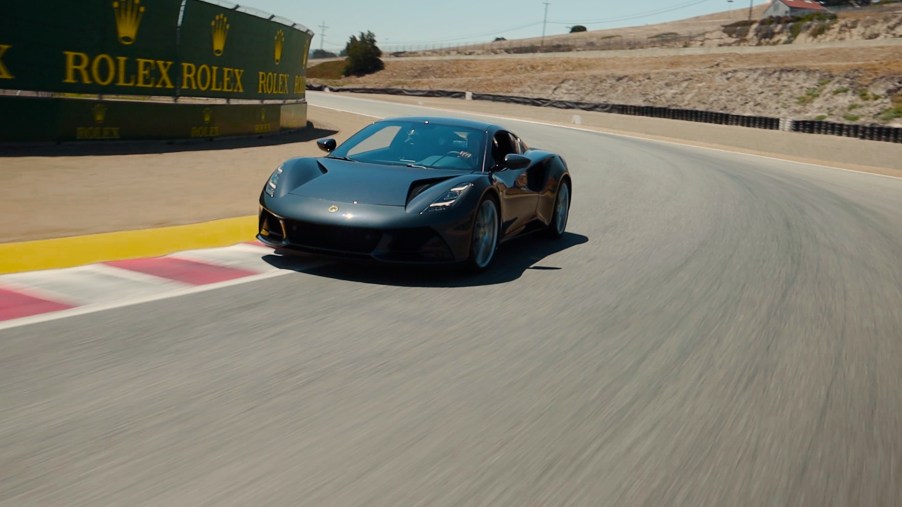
(450, 197)
(273, 182)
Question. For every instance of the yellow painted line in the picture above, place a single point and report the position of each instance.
(80, 250)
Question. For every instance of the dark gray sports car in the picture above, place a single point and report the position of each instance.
(416, 190)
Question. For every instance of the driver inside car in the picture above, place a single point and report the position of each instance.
(452, 144)
(430, 145)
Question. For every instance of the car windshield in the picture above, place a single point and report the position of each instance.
(416, 144)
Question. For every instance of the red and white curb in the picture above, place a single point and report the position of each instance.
(39, 296)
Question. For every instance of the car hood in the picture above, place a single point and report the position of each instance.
(366, 183)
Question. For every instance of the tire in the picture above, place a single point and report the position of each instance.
(484, 236)
(558, 223)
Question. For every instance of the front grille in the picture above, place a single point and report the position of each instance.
(416, 245)
(331, 237)
(410, 240)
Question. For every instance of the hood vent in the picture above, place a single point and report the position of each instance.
(418, 187)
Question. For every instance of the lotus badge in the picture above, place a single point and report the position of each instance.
(333, 208)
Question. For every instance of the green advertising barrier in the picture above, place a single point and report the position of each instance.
(236, 55)
(90, 120)
(121, 47)
(153, 52)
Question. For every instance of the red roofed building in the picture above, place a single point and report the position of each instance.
(780, 8)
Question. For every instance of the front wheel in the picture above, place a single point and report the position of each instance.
(558, 223)
(484, 236)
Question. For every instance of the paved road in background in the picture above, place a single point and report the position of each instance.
(715, 329)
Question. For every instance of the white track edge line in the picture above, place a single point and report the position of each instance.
(166, 294)
(616, 134)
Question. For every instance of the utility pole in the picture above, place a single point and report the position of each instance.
(544, 22)
(322, 35)
(750, 10)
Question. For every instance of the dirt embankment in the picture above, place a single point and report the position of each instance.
(845, 70)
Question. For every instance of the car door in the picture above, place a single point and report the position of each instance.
(519, 199)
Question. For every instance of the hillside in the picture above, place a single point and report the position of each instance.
(847, 70)
(728, 28)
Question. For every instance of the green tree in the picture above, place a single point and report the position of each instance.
(363, 55)
(320, 53)
(577, 28)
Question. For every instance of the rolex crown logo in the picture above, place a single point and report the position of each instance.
(208, 115)
(128, 18)
(99, 113)
(262, 115)
(280, 43)
(220, 25)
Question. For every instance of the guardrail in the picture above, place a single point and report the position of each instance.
(866, 132)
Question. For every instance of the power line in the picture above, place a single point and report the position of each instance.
(639, 15)
(544, 22)
(473, 36)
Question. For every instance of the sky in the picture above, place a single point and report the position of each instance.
(407, 24)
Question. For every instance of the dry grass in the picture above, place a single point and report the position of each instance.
(330, 70)
(800, 80)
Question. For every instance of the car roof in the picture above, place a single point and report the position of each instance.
(443, 120)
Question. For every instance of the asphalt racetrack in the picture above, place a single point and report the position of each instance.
(714, 329)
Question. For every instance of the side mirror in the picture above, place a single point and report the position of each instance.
(327, 145)
(514, 161)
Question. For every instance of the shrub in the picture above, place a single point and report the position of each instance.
(739, 29)
(320, 53)
(822, 16)
(818, 30)
(744, 22)
(795, 29)
(765, 31)
(893, 113)
(363, 55)
(865, 94)
(577, 28)
(665, 35)
(808, 98)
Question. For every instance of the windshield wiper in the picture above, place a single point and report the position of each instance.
(341, 158)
